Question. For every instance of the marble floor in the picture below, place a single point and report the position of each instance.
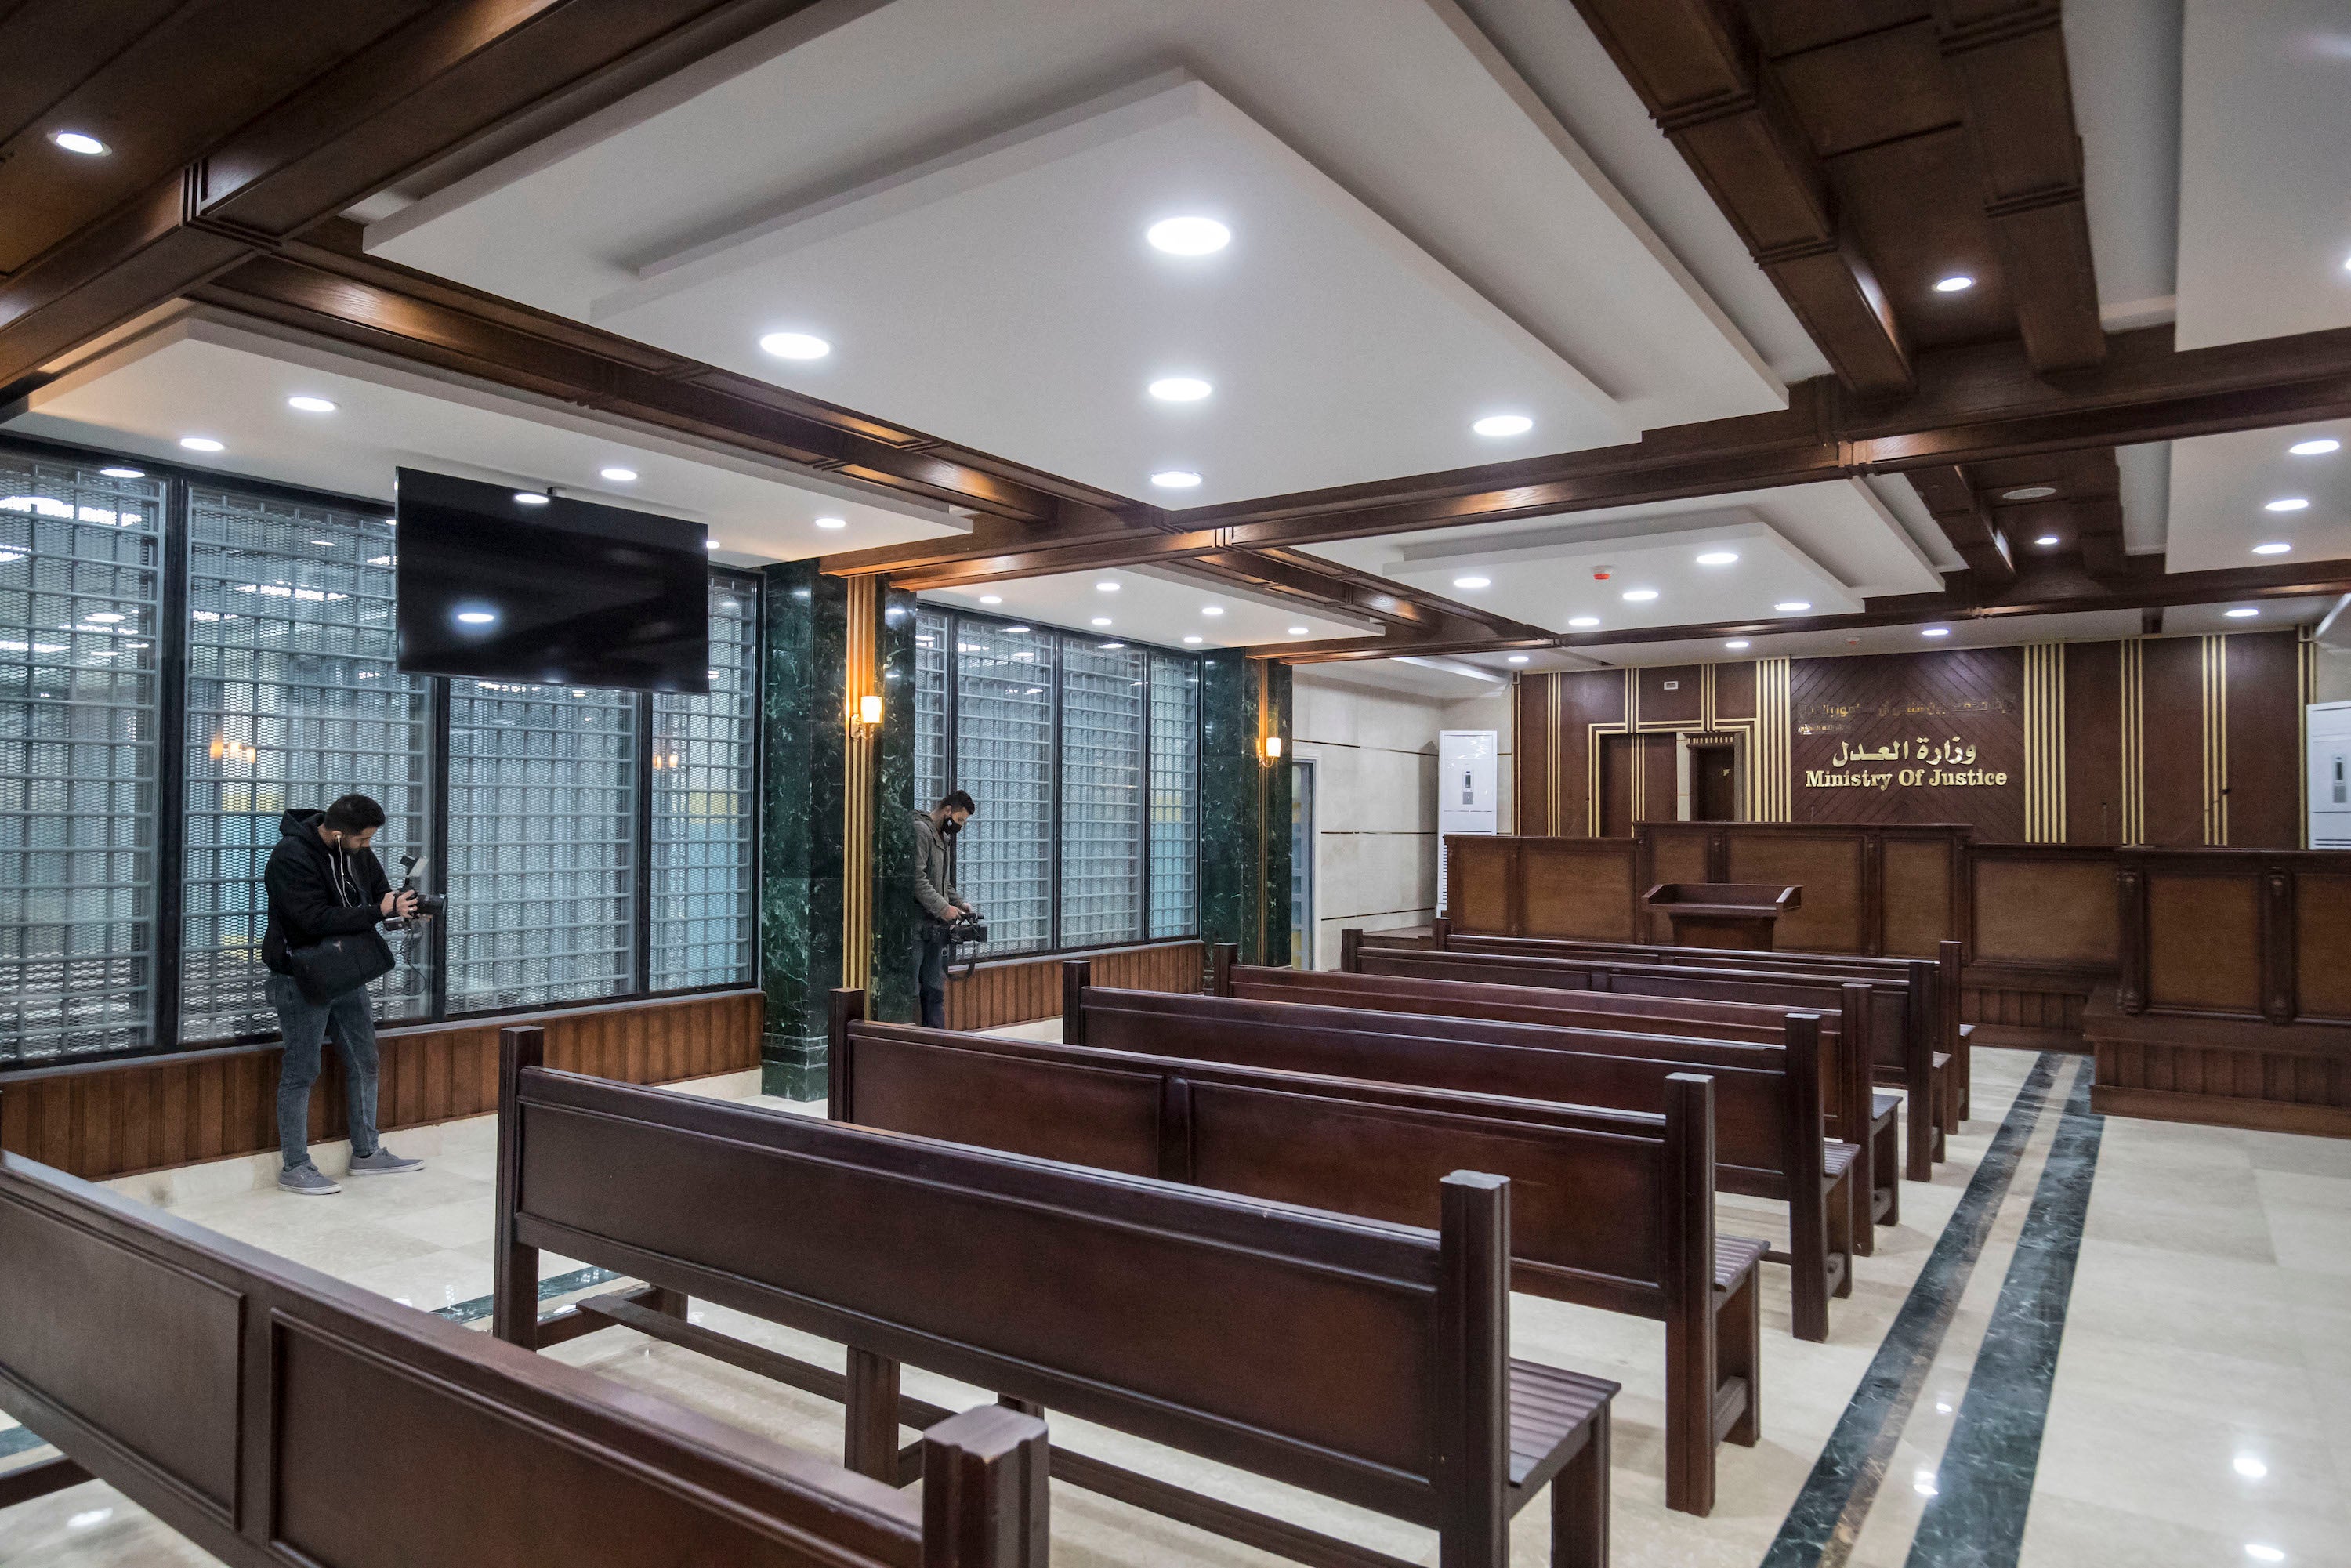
(2090, 1342)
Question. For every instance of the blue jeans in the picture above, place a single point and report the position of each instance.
(304, 1023)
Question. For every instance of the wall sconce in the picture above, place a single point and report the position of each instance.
(1273, 748)
(869, 711)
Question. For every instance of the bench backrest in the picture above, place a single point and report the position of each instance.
(1612, 1208)
(1242, 1331)
(215, 1386)
(1759, 1101)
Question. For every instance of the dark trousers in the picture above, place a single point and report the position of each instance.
(304, 1024)
(933, 980)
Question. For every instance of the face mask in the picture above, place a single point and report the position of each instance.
(951, 827)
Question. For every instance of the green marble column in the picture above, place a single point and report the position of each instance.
(802, 737)
(896, 916)
(1244, 808)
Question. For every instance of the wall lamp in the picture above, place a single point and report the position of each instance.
(1272, 745)
(869, 711)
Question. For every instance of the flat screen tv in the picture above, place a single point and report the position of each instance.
(560, 592)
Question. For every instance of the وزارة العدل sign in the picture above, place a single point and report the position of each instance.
(1922, 763)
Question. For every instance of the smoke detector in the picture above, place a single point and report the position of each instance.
(1602, 573)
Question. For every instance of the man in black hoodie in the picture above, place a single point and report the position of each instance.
(323, 882)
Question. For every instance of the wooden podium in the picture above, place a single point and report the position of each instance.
(1723, 914)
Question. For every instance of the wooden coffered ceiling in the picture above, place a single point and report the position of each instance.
(1862, 150)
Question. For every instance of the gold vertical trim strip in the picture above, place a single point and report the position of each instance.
(2134, 739)
(2045, 743)
(857, 789)
(2305, 692)
(1555, 765)
(2213, 663)
(1772, 787)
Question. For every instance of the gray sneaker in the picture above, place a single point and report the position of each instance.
(383, 1162)
(306, 1179)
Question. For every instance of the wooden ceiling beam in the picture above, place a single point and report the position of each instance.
(1951, 500)
(2009, 59)
(1703, 80)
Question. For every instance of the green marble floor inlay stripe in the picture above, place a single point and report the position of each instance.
(555, 1285)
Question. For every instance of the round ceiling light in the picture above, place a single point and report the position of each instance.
(2276, 547)
(530, 498)
(2046, 540)
(1188, 236)
(124, 473)
(1792, 606)
(2287, 504)
(1639, 595)
(1175, 479)
(796, 345)
(991, 598)
(2028, 493)
(833, 522)
(1193, 637)
(201, 443)
(2245, 614)
(1298, 630)
(1957, 283)
(310, 405)
(1107, 586)
(1212, 610)
(1582, 623)
(2318, 447)
(1180, 389)
(477, 617)
(1500, 424)
(1936, 631)
(1102, 620)
(1518, 658)
(88, 146)
(620, 476)
(1736, 643)
(1717, 557)
(709, 544)
(1473, 582)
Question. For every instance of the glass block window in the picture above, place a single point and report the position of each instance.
(1105, 703)
(292, 700)
(80, 590)
(704, 752)
(542, 827)
(1004, 757)
(932, 632)
(1175, 796)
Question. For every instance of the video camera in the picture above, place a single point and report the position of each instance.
(967, 931)
(428, 904)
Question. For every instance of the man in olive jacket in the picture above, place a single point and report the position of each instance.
(935, 889)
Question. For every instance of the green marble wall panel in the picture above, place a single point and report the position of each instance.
(802, 734)
(896, 916)
(1244, 812)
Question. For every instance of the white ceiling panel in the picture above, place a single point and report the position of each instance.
(1450, 680)
(2264, 169)
(191, 373)
(1158, 605)
(1421, 239)
(2223, 485)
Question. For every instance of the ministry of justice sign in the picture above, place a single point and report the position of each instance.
(1910, 737)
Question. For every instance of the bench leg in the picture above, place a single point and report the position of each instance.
(1918, 1111)
(1840, 1227)
(1690, 1372)
(671, 1303)
(1808, 1267)
(1738, 1352)
(869, 1441)
(1886, 1167)
(1579, 1503)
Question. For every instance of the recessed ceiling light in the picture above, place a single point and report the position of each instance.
(201, 443)
(1108, 646)
(1107, 586)
(1195, 637)
(124, 473)
(1101, 620)
(833, 522)
(1298, 630)
(477, 617)
(1736, 643)
(2251, 1468)
(2254, 1549)
(2046, 540)
(1011, 629)
(2319, 447)
(991, 598)
(1188, 236)
(1639, 595)
(1212, 610)
(1792, 606)
(88, 146)
(1503, 425)
(2028, 492)
(1935, 632)
(1580, 622)
(1175, 479)
(620, 476)
(2245, 614)
(2286, 504)
(796, 345)
(530, 497)
(1473, 582)
(1957, 283)
(1180, 389)
(2276, 547)
(305, 405)
(1717, 557)
(710, 544)
(1518, 658)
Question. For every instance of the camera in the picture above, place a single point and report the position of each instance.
(428, 904)
(967, 930)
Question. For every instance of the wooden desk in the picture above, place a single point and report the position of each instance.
(1723, 914)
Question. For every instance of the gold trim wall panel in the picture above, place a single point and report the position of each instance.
(2045, 743)
(857, 788)
(2132, 728)
(2213, 660)
(1772, 787)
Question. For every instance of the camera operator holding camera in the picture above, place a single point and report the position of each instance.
(327, 892)
(935, 889)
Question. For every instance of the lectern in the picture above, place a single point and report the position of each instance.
(1723, 914)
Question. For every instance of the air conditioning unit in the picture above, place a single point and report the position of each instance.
(1467, 791)
(2329, 727)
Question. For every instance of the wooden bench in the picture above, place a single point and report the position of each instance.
(1852, 1111)
(1767, 1114)
(1364, 1361)
(1614, 1209)
(1939, 983)
(273, 1416)
(1901, 1048)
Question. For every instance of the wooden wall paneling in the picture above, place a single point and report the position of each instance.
(2172, 717)
(2044, 907)
(1576, 887)
(1481, 877)
(1024, 990)
(1906, 701)
(1829, 866)
(1669, 693)
(1734, 690)
(1531, 757)
(1918, 878)
(1676, 852)
(2264, 724)
(2323, 945)
(2094, 750)
(2203, 942)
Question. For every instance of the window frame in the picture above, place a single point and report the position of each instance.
(951, 775)
(172, 642)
